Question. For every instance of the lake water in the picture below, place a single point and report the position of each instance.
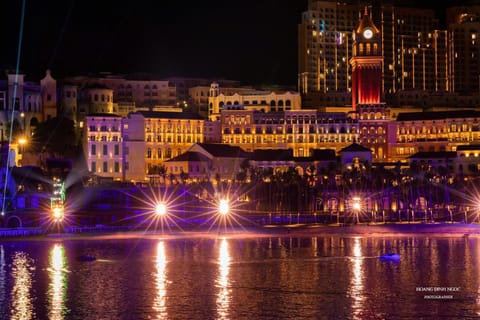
(332, 277)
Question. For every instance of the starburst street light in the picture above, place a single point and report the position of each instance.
(58, 213)
(224, 207)
(161, 209)
(356, 205)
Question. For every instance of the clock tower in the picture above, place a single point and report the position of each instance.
(372, 114)
(366, 63)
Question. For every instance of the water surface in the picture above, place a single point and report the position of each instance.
(332, 277)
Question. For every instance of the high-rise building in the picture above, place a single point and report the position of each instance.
(413, 48)
(464, 30)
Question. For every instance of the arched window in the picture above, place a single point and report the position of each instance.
(288, 103)
(272, 103)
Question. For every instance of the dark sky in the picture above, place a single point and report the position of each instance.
(249, 40)
(254, 41)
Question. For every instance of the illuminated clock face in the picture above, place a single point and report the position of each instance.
(367, 33)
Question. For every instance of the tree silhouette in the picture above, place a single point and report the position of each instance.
(56, 136)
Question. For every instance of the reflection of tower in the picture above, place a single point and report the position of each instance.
(366, 63)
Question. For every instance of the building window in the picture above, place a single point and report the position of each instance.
(94, 150)
(116, 150)
(149, 153)
(105, 166)
(94, 166)
(117, 166)
(105, 150)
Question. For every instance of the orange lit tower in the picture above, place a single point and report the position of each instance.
(372, 114)
(366, 63)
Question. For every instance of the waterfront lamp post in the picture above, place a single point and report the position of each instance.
(161, 209)
(356, 207)
(224, 207)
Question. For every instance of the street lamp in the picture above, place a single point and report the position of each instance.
(58, 213)
(224, 207)
(356, 207)
(161, 209)
(21, 150)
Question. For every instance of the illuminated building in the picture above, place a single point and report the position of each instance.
(414, 51)
(464, 29)
(264, 101)
(366, 63)
(138, 90)
(437, 131)
(355, 156)
(94, 99)
(225, 161)
(49, 96)
(299, 130)
(468, 159)
(26, 98)
(192, 165)
(103, 145)
(161, 135)
(206, 162)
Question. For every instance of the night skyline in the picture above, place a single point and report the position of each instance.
(254, 42)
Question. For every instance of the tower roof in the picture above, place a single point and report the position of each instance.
(366, 22)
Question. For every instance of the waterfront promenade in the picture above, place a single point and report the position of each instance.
(369, 230)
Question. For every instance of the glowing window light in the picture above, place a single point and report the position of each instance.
(223, 207)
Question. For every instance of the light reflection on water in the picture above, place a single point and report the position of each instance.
(58, 282)
(160, 304)
(223, 296)
(3, 282)
(356, 289)
(22, 300)
(334, 277)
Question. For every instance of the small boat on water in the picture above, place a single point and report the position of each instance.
(389, 256)
(86, 257)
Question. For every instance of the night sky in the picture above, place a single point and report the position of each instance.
(254, 41)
